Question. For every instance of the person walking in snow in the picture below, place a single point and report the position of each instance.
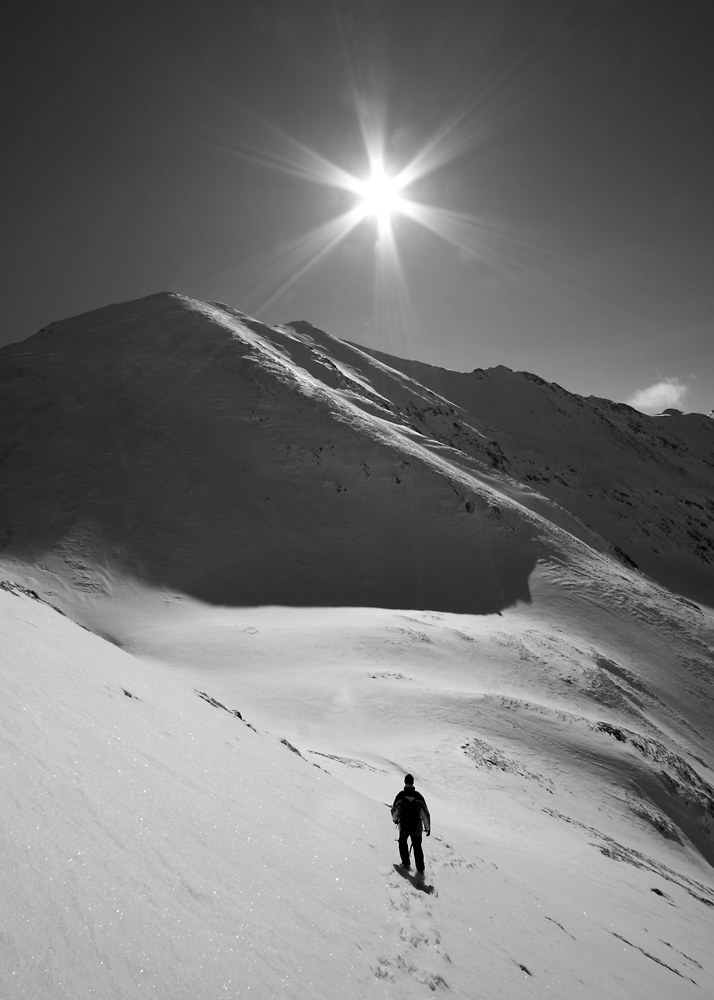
(411, 813)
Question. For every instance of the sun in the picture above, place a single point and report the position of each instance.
(377, 196)
(380, 196)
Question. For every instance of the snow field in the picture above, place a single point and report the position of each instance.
(157, 846)
(161, 847)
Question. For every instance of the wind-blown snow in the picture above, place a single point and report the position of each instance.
(198, 807)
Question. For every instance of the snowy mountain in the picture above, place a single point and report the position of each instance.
(246, 464)
(301, 569)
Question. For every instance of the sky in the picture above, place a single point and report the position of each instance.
(563, 150)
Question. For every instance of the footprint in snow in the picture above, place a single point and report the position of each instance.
(417, 949)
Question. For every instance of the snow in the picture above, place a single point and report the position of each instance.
(162, 847)
(187, 444)
(196, 784)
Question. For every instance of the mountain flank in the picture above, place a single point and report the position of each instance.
(196, 448)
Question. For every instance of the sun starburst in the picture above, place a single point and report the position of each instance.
(381, 194)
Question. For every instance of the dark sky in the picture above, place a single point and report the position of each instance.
(590, 157)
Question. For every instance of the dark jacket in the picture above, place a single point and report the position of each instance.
(420, 817)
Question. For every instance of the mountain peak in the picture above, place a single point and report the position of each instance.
(248, 463)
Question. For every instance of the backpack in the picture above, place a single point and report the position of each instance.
(409, 812)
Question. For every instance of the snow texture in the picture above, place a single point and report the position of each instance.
(251, 576)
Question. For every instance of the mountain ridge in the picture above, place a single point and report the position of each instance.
(181, 380)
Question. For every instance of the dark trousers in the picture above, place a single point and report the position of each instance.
(416, 845)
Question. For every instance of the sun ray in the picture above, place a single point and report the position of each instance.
(276, 273)
(270, 146)
(541, 269)
(508, 93)
(394, 313)
(380, 189)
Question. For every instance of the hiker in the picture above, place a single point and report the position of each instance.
(410, 811)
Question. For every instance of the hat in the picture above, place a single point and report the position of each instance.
(408, 779)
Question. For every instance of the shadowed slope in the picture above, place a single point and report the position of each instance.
(237, 464)
(645, 484)
(246, 464)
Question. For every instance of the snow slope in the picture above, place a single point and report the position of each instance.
(159, 846)
(288, 577)
(202, 450)
(645, 484)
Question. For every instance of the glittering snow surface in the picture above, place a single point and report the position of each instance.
(195, 788)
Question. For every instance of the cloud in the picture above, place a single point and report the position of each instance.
(657, 397)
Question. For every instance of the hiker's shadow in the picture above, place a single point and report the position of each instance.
(416, 880)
